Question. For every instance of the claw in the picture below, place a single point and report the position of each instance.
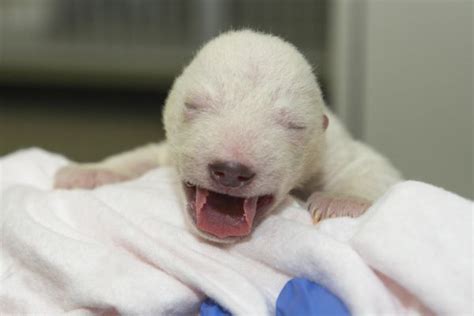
(316, 216)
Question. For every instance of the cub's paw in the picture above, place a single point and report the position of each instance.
(84, 177)
(322, 206)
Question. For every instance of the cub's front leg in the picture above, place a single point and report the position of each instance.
(122, 167)
(86, 176)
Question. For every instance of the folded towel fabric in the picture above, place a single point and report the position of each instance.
(126, 249)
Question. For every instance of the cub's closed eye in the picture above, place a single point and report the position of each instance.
(191, 110)
(295, 126)
(191, 106)
(286, 119)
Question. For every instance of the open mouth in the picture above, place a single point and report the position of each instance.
(223, 215)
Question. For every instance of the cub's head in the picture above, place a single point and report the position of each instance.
(244, 123)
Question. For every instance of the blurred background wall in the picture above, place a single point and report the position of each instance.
(87, 78)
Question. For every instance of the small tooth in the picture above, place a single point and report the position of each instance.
(201, 199)
(250, 207)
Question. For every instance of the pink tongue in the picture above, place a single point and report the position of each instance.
(224, 216)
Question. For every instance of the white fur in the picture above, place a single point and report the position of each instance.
(253, 98)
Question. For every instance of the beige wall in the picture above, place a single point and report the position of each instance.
(413, 80)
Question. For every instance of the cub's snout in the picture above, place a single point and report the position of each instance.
(231, 174)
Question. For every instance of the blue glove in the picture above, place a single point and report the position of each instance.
(298, 297)
(211, 308)
(303, 297)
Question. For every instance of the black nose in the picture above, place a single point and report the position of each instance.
(231, 174)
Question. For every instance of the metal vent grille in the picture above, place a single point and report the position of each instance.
(145, 39)
(143, 22)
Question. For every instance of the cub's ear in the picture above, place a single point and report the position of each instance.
(325, 122)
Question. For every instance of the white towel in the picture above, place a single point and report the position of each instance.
(125, 248)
